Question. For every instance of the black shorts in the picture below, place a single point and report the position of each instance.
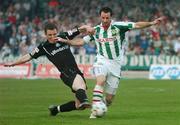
(69, 79)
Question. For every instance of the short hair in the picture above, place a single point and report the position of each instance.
(106, 10)
(49, 26)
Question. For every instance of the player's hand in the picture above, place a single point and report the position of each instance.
(158, 20)
(90, 31)
(86, 29)
(61, 39)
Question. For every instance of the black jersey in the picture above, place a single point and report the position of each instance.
(59, 54)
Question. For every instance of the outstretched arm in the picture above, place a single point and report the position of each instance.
(21, 60)
(140, 25)
(73, 42)
(86, 29)
(69, 38)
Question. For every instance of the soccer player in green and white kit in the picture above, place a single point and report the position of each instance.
(109, 38)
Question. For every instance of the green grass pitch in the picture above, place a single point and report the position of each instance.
(138, 102)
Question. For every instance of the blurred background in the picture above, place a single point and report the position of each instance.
(21, 28)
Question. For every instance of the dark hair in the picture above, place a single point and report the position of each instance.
(106, 10)
(49, 26)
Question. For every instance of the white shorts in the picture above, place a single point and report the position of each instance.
(111, 69)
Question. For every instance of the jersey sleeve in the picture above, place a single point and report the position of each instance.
(88, 38)
(125, 25)
(70, 34)
(37, 52)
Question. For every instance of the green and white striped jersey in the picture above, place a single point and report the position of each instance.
(109, 42)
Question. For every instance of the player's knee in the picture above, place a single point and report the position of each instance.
(100, 80)
(100, 83)
(79, 83)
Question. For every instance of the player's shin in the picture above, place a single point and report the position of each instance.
(97, 93)
(82, 97)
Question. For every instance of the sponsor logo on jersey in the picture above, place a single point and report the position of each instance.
(106, 39)
(114, 32)
(59, 50)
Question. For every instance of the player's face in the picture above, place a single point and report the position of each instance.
(105, 18)
(51, 35)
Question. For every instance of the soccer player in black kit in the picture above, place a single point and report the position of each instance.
(60, 55)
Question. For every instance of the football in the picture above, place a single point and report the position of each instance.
(99, 109)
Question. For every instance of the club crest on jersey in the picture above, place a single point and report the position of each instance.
(58, 44)
(114, 32)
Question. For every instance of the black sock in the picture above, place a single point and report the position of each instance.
(81, 95)
(69, 106)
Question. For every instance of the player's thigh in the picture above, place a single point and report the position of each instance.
(114, 69)
(79, 83)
